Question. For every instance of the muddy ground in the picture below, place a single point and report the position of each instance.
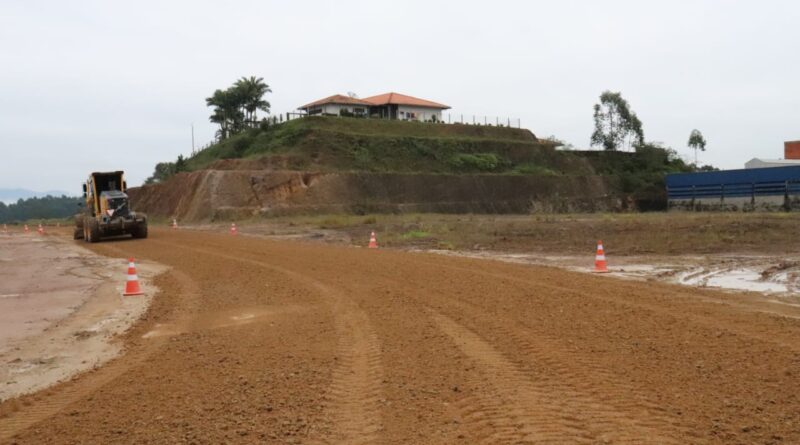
(253, 340)
(743, 252)
(624, 234)
(61, 310)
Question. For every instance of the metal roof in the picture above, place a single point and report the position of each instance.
(741, 176)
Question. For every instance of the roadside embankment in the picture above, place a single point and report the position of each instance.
(234, 194)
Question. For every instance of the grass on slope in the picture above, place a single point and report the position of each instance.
(347, 144)
(382, 127)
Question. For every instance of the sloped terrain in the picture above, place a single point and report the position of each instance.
(325, 164)
(229, 194)
(350, 144)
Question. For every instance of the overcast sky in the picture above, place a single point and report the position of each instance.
(104, 85)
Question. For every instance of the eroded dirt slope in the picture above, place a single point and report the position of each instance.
(226, 194)
(254, 341)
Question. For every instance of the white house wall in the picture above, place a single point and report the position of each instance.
(335, 109)
(422, 113)
(331, 109)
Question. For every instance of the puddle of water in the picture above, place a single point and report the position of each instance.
(738, 279)
(724, 277)
(745, 279)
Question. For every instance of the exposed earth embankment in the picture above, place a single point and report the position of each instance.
(338, 165)
(215, 194)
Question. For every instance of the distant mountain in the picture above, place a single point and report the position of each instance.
(9, 196)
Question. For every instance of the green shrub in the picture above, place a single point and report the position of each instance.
(415, 234)
(534, 170)
(483, 162)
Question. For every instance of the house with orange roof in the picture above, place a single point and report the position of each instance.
(337, 105)
(384, 106)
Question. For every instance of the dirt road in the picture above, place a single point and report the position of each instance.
(258, 341)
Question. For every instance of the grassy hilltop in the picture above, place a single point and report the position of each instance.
(349, 144)
(334, 144)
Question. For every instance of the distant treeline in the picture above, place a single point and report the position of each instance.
(38, 208)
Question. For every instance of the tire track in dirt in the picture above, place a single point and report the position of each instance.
(356, 386)
(18, 415)
(354, 407)
(588, 415)
(562, 408)
(623, 412)
(595, 404)
(516, 410)
(713, 322)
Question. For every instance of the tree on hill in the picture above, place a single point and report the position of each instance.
(252, 90)
(180, 164)
(162, 172)
(696, 142)
(615, 125)
(227, 112)
(236, 107)
(166, 170)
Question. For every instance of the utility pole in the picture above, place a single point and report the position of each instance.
(192, 138)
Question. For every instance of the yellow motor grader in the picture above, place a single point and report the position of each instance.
(106, 210)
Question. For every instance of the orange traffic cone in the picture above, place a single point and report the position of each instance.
(600, 265)
(40, 230)
(27, 229)
(233, 228)
(132, 285)
(373, 242)
(174, 223)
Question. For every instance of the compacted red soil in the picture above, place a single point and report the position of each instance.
(257, 341)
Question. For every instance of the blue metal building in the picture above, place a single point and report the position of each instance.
(748, 189)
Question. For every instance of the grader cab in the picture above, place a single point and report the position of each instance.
(106, 210)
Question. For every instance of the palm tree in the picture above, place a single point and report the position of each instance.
(228, 106)
(253, 90)
(219, 118)
(236, 107)
(219, 100)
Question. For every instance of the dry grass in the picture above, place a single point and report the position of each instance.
(622, 233)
